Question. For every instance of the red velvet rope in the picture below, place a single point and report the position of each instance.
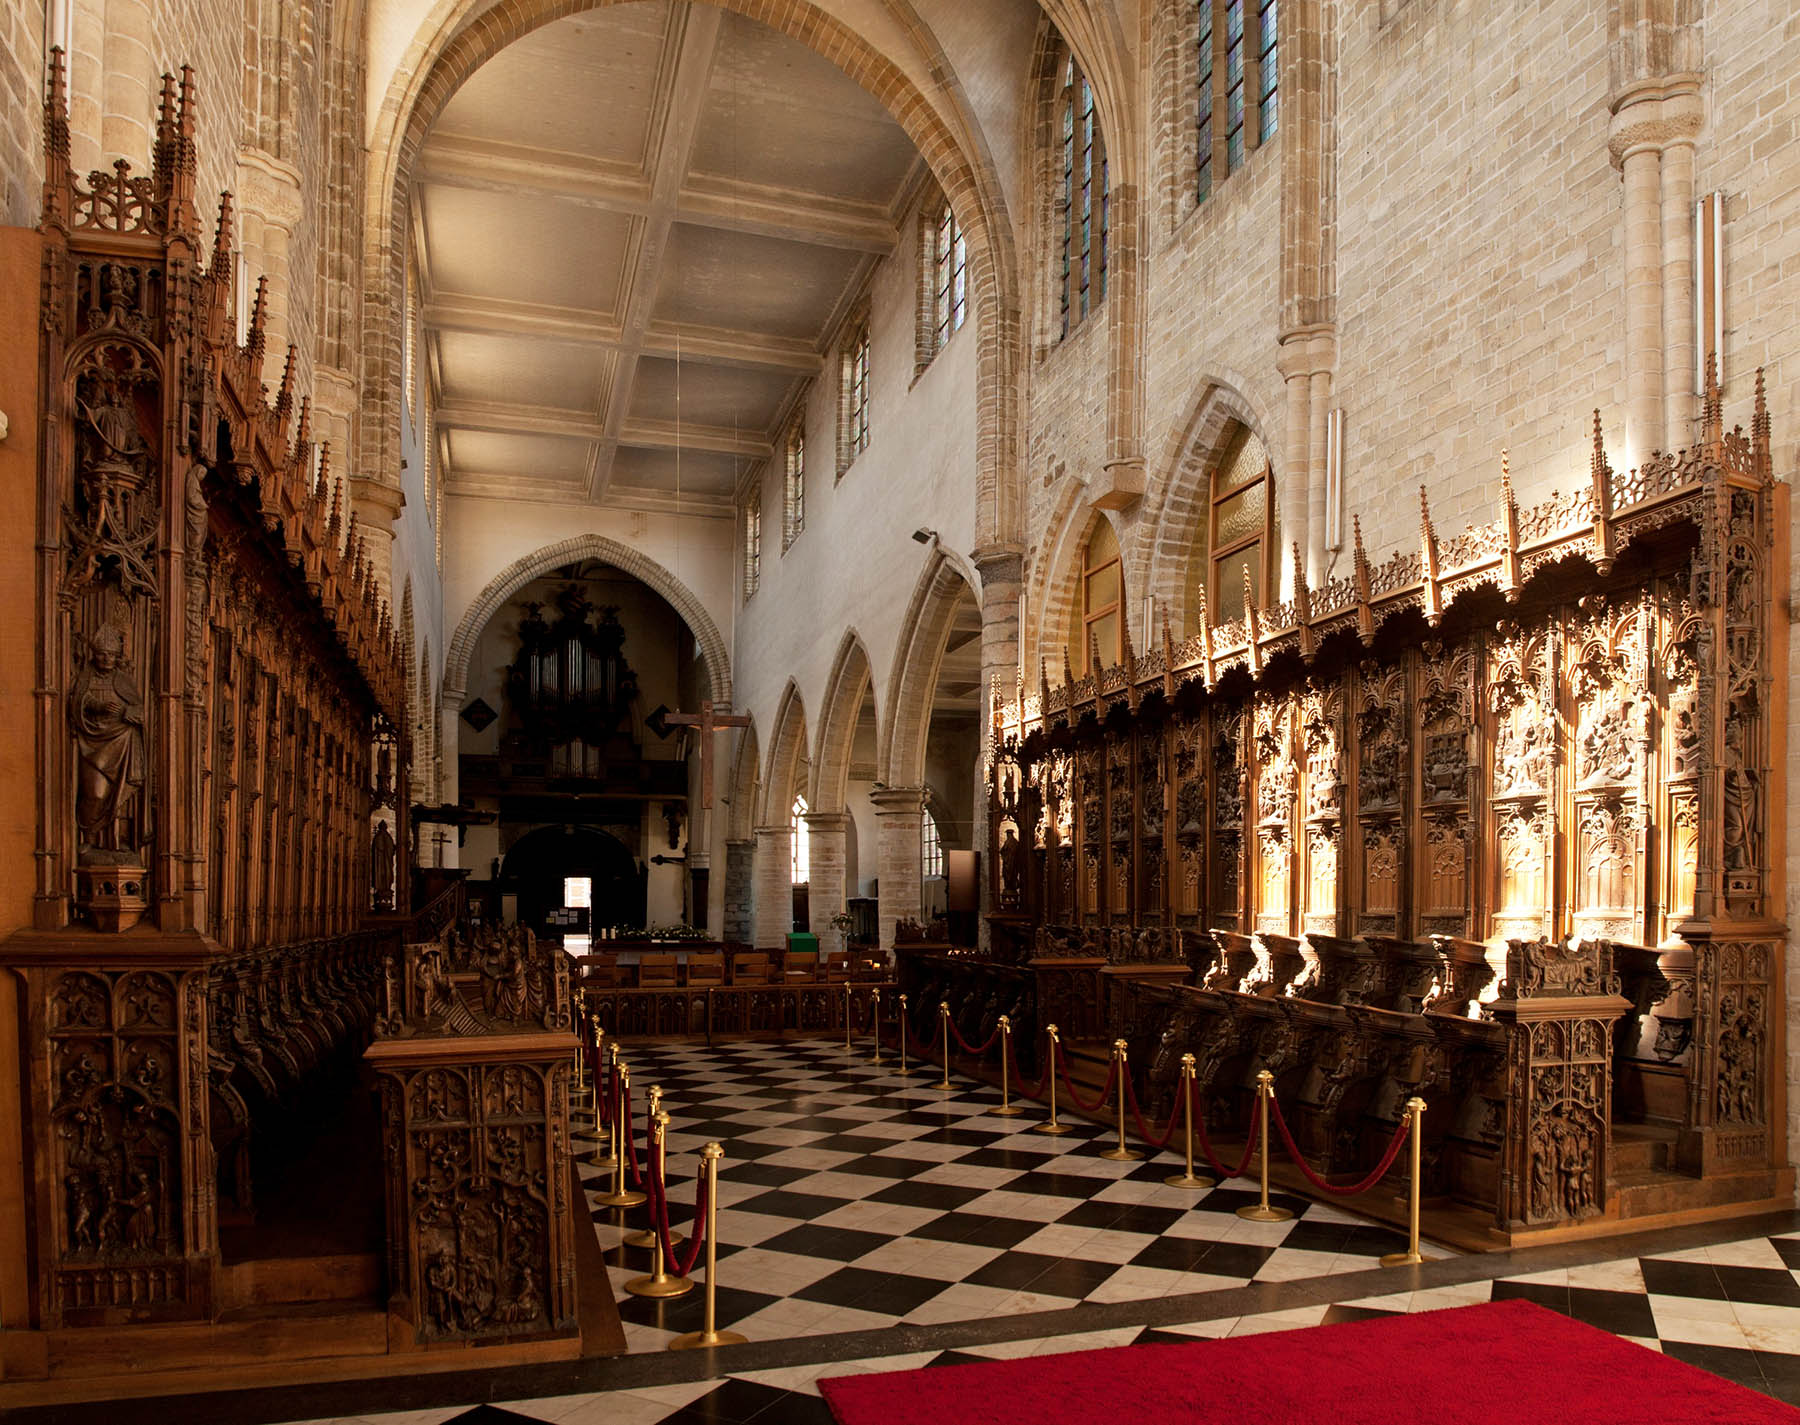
(630, 1137)
(1352, 1189)
(659, 1217)
(1144, 1133)
(1112, 1073)
(1206, 1150)
(969, 1048)
(1025, 1088)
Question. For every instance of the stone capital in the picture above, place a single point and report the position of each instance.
(377, 504)
(1306, 351)
(999, 564)
(830, 822)
(769, 832)
(1121, 484)
(268, 188)
(895, 801)
(1654, 114)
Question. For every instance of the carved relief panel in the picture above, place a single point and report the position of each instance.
(1276, 773)
(1446, 736)
(1090, 794)
(1380, 841)
(1609, 713)
(1522, 780)
(1151, 895)
(1192, 763)
(1120, 816)
(1321, 712)
(1230, 839)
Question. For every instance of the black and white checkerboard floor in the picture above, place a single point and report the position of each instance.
(851, 1198)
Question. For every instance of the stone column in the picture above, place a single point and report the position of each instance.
(826, 853)
(377, 506)
(1123, 485)
(128, 84)
(268, 210)
(739, 890)
(897, 815)
(1292, 477)
(1678, 288)
(1642, 165)
(773, 914)
(1318, 458)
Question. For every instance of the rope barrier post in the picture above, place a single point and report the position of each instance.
(1262, 1212)
(659, 1284)
(1050, 1125)
(1121, 1154)
(603, 1157)
(944, 1020)
(846, 1016)
(1007, 1109)
(875, 1026)
(607, 1053)
(904, 1026)
(710, 1335)
(1411, 1257)
(1188, 1093)
(647, 1238)
(622, 1194)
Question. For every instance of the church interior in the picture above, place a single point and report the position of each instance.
(873, 711)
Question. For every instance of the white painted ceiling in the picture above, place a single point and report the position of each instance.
(638, 229)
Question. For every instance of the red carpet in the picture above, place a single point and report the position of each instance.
(1503, 1363)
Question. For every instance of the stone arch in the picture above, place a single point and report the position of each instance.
(569, 551)
(746, 783)
(460, 36)
(916, 662)
(852, 678)
(1178, 516)
(1059, 580)
(786, 770)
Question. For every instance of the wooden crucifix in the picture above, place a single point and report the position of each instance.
(709, 721)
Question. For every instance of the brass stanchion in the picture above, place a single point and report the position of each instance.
(1007, 1109)
(608, 1144)
(904, 1071)
(621, 1195)
(846, 1017)
(1262, 1212)
(1121, 1154)
(601, 1049)
(1050, 1125)
(710, 1335)
(647, 1238)
(875, 1016)
(659, 1283)
(944, 1021)
(1187, 1179)
(1411, 1257)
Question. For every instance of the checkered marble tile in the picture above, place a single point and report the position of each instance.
(852, 1197)
(1721, 1308)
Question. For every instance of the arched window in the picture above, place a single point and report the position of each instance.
(752, 542)
(1241, 533)
(1082, 196)
(931, 846)
(1098, 616)
(853, 393)
(793, 484)
(950, 260)
(802, 863)
(1238, 64)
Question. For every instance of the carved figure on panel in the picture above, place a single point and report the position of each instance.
(383, 854)
(1743, 802)
(1740, 1058)
(106, 714)
(1010, 867)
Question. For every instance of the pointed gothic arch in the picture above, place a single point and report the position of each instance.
(785, 773)
(852, 679)
(907, 719)
(1179, 518)
(522, 571)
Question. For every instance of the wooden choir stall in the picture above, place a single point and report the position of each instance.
(1496, 822)
(221, 886)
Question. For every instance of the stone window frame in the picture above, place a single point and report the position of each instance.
(931, 844)
(751, 530)
(793, 479)
(943, 295)
(1091, 613)
(1239, 455)
(799, 845)
(855, 350)
(1198, 147)
(1074, 128)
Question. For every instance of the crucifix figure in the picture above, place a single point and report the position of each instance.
(709, 722)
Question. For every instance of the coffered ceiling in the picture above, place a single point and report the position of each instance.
(637, 230)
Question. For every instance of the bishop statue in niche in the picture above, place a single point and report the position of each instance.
(106, 714)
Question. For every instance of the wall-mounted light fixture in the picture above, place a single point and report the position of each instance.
(921, 535)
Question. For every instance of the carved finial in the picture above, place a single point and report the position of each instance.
(1043, 688)
(1597, 461)
(284, 397)
(57, 174)
(1428, 562)
(165, 117)
(1761, 432)
(1094, 663)
(1205, 619)
(1509, 524)
(184, 118)
(335, 517)
(258, 312)
(221, 253)
(1130, 659)
(1068, 672)
(1601, 478)
(303, 430)
(1712, 406)
(1365, 617)
(1252, 625)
